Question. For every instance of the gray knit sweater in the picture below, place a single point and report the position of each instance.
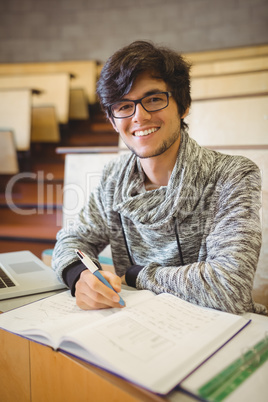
(212, 200)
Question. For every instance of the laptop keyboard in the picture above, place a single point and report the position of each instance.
(5, 281)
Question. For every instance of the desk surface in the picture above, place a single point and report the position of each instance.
(42, 374)
(10, 304)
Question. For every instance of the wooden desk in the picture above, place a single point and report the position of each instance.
(45, 126)
(228, 86)
(33, 372)
(8, 154)
(230, 66)
(84, 73)
(15, 115)
(54, 90)
(227, 54)
(209, 124)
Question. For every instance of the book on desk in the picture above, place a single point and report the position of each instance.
(156, 342)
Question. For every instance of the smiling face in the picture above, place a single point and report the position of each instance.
(149, 134)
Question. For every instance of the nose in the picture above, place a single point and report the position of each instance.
(141, 114)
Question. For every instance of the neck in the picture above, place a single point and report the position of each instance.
(158, 169)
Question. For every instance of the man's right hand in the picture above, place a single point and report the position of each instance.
(92, 294)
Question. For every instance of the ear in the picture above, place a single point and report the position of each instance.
(113, 124)
(185, 113)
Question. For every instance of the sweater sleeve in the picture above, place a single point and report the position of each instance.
(89, 233)
(131, 275)
(71, 274)
(224, 278)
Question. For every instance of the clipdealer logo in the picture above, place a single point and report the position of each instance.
(48, 195)
(65, 201)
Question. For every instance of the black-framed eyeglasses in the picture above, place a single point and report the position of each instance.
(151, 103)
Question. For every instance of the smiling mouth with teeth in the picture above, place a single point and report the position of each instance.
(145, 132)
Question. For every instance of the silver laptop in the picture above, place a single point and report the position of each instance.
(22, 273)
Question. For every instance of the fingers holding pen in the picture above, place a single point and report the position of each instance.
(91, 293)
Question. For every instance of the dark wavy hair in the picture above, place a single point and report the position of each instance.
(123, 67)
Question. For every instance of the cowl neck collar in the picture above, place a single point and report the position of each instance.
(158, 207)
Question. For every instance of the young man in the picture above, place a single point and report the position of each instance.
(179, 218)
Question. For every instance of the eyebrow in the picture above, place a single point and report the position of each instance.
(148, 93)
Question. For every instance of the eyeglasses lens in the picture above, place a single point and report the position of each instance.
(150, 103)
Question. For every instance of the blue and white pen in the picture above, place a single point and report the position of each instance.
(95, 271)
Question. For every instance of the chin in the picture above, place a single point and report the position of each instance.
(153, 153)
